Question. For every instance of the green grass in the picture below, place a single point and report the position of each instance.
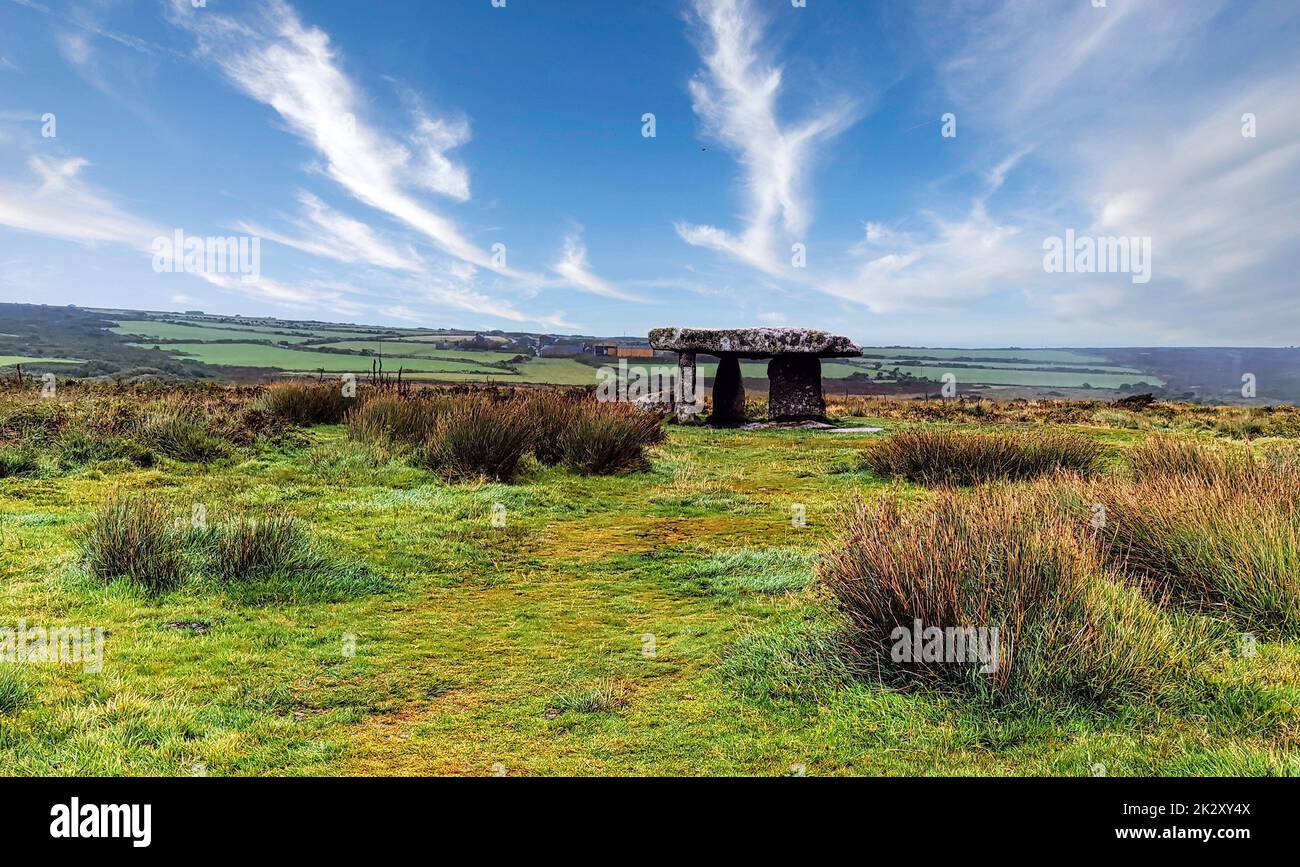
(255, 355)
(390, 348)
(175, 331)
(1056, 356)
(667, 615)
(203, 329)
(11, 360)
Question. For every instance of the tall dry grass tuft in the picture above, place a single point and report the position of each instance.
(396, 420)
(947, 457)
(487, 434)
(133, 537)
(477, 436)
(307, 402)
(1220, 534)
(608, 438)
(552, 415)
(996, 557)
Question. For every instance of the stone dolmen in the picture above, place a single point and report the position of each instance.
(794, 372)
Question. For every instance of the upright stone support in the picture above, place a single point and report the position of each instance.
(688, 396)
(795, 388)
(728, 392)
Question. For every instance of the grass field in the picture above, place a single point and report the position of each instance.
(11, 360)
(288, 333)
(1048, 356)
(254, 355)
(175, 331)
(655, 623)
(421, 350)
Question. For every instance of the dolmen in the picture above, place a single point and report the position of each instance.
(794, 371)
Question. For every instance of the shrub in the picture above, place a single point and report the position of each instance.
(995, 558)
(1223, 538)
(132, 537)
(307, 403)
(181, 435)
(607, 438)
(944, 457)
(478, 436)
(17, 462)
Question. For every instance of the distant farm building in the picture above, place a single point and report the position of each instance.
(613, 350)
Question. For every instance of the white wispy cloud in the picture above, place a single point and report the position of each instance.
(57, 201)
(330, 234)
(293, 68)
(573, 267)
(1125, 138)
(735, 98)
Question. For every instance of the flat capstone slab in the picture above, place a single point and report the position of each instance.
(754, 342)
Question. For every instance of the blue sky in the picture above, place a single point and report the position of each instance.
(451, 163)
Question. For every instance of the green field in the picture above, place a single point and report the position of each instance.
(175, 331)
(11, 360)
(254, 355)
(1052, 356)
(165, 330)
(421, 350)
(409, 349)
(998, 376)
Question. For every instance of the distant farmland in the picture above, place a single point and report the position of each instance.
(122, 343)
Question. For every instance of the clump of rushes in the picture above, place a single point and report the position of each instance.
(477, 436)
(607, 696)
(276, 559)
(307, 403)
(396, 420)
(551, 416)
(469, 435)
(75, 447)
(182, 435)
(134, 538)
(1003, 558)
(1161, 456)
(251, 548)
(607, 438)
(1222, 540)
(946, 457)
